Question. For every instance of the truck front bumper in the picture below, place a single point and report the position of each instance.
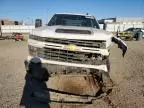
(54, 66)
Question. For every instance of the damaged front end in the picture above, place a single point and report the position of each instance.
(83, 81)
(78, 74)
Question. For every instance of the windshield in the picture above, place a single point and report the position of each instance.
(73, 20)
(129, 29)
(132, 29)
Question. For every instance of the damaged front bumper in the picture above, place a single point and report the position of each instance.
(57, 66)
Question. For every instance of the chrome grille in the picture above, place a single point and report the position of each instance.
(62, 55)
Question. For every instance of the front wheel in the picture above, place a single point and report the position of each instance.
(108, 64)
(104, 77)
(106, 82)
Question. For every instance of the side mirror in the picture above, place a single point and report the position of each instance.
(16, 23)
(38, 23)
(2, 22)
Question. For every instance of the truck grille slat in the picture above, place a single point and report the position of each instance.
(83, 43)
(64, 53)
(60, 55)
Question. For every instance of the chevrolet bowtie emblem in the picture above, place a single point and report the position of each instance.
(71, 47)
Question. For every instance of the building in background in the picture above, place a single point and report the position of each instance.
(121, 23)
(8, 27)
(6, 22)
(129, 20)
(9, 22)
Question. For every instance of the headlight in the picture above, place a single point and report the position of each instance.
(103, 45)
(32, 50)
(38, 38)
(98, 45)
(33, 37)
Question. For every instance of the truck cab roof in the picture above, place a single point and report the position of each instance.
(80, 14)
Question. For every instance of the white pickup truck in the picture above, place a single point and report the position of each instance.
(73, 44)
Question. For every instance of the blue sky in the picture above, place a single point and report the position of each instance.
(31, 9)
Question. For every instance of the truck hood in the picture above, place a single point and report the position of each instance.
(72, 32)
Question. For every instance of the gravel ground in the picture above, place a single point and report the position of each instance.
(127, 74)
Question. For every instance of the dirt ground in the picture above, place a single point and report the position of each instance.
(127, 74)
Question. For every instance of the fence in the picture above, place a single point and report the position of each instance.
(17, 28)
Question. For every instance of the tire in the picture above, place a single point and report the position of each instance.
(106, 80)
(98, 73)
(138, 36)
(108, 64)
(107, 83)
